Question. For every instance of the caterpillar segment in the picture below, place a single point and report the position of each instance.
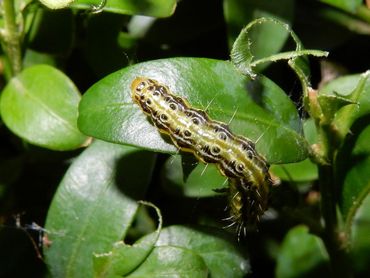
(192, 130)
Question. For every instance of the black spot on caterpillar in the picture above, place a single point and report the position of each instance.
(192, 130)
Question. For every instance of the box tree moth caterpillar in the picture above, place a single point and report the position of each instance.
(192, 130)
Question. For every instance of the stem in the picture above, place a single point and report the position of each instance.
(332, 239)
(11, 37)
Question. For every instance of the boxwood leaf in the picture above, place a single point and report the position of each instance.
(356, 185)
(268, 39)
(124, 258)
(170, 261)
(200, 182)
(355, 88)
(94, 206)
(216, 248)
(257, 109)
(40, 106)
(302, 255)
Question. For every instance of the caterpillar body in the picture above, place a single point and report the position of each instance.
(192, 130)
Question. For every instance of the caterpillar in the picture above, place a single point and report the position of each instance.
(192, 130)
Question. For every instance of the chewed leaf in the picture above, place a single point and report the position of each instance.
(243, 56)
(124, 258)
(267, 38)
(258, 109)
(222, 257)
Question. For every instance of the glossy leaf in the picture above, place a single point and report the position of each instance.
(40, 106)
(268, 39)
(302, 255)
(219, 252)
(94, 206)
(257, 109)
(170, 261)
(156, 8)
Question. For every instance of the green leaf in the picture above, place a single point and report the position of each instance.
(360, 240)
(243, 51)
(123, 258)
(267, 38)
(302, 255)
(32, 58)
(52, 31)
(201, 182)
(109, 56)
(40, 106)
(56, 4)
(216, 248)
(355, 88)
(302, 171)
(330, 104)
(94, 206)
(169, 261)
(258, 109)
(347, 5)
(357, 180)
(155, 8)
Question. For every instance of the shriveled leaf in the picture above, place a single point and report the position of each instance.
(243, 53)
(219, 252)
(170, 261)
(94, 206)
(257, 109)
(302, 255)
(40, 106)
(268, 39)
(156, 8)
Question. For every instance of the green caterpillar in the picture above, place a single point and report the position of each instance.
(191, 130)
